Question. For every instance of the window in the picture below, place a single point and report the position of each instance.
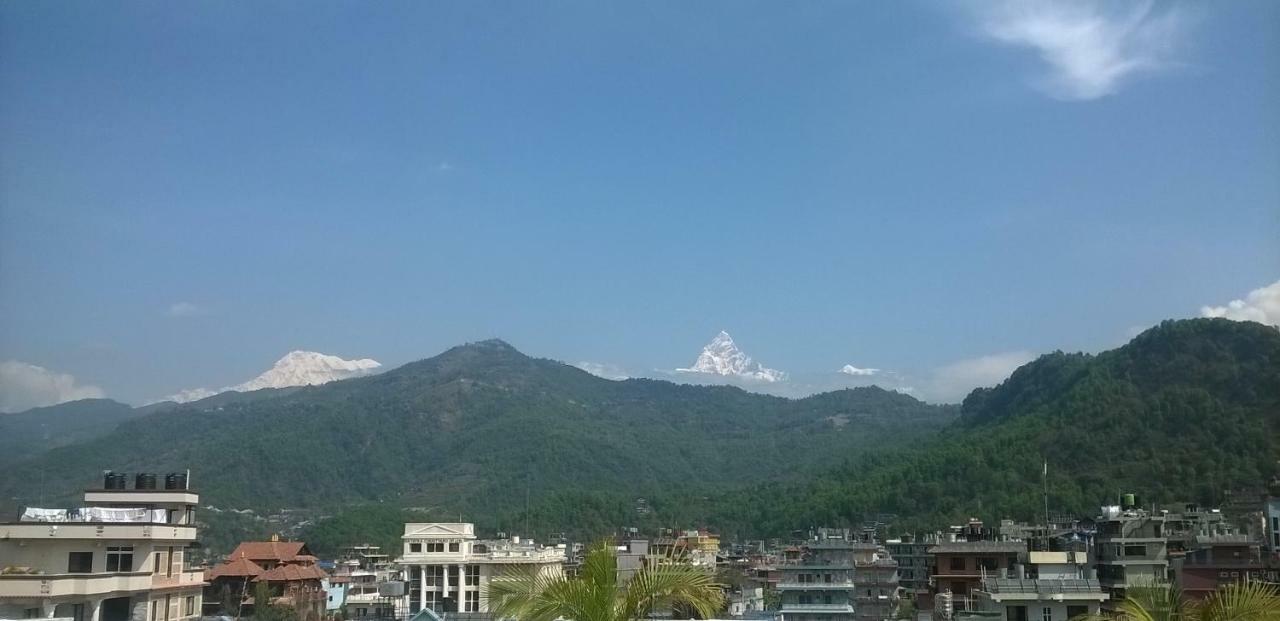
(415, 547)
(988, 564)
(434, 575)
(473, 575)
(957, 563)
(119, 558)
(161, 561)
(1016, 613)
(79, 562)
(189, 608)
(472, 602)
(1076, 611)
(1135, 550)
(453, 546)
(168, 570)
(1046, 614)
(155, 610)
(433, 600)
(30, 613)
(435, 546)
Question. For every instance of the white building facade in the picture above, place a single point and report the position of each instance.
(447, 569)
(119, 558)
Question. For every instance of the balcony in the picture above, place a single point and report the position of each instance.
(89, 530)
(817, 608)
(792, 585)
(180, 579)
(49, 586)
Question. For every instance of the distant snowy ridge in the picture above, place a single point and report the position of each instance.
(297, 368)
(722, 357)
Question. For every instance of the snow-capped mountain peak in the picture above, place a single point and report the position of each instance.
(303, 368)
(722, 357)
(296, 368)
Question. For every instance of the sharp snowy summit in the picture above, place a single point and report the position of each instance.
(722, 357)
(297, 368)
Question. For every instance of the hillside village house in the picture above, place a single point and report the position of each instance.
(120, 557)
(287, 568)
(449, 570)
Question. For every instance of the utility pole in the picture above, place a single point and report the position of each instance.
(1045, 477)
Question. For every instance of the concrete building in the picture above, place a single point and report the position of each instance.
(1052, 586)
(1216, 560)
(915, 564)
(816, 581)
(1271, 515)
(960, 568)
(121, 557)
(449, 570)
(1131, 549)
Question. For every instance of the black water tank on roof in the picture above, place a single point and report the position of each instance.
(175, 480)
(144, 480)
(113, 480)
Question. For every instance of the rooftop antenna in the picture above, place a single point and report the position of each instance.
(1046, 505)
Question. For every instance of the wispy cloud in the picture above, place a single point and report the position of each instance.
(951, 383)
(444, 167)
(1261, 305)
(1090, 48)
(603, 369)
(24, 386)
(186, 309)
(849, 369)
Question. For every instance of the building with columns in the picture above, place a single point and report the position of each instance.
(121, 557)
(447, 569)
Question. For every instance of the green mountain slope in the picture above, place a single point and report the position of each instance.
(478, 428)
(1185, 411)
(37, 430)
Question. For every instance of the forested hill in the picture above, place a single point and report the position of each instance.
(1184, 412)
(39, 429)
(475, 429)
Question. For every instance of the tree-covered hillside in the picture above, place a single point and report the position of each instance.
(37, 430)
(480, 427)
(1184, 412)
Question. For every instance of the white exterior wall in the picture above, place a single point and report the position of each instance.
(459, 549)
(141, 592)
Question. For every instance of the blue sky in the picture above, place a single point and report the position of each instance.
(188, 191)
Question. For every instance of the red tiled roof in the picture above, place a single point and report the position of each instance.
(279, 551)
(238, 566)
(292, 573)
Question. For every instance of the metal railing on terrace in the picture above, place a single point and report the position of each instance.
(1014, 585)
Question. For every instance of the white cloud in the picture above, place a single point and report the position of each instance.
(1261, 305)
(954, 381)
(186, 309)
(603, 369)
(444, 167)
(24, 386)
(1090, 47)
(849, 369)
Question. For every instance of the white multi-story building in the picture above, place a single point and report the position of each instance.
(448, 570)
(121, 557)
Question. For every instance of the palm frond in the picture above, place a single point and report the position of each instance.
(670, 584)
(1241, 601)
